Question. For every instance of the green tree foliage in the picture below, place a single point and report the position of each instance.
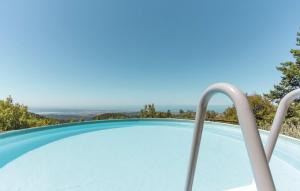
(230, 115)
(111, 116)
(186, 115)
(167, 114)
(290, 79)
(16, 116)
(262, 108)
(211, 115)
(148, 111)
(12, 116)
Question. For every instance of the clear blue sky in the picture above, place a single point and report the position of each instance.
(71, 53)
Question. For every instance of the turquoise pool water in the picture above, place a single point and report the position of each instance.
(135, 155)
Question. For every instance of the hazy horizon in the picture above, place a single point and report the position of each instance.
(108, 109)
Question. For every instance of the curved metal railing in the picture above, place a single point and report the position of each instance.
(278, 120)
(281, 111)
(258, 160)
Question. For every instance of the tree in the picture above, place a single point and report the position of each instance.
(151, 110)
(211, 115)
(169, 114)
(290, 79)
(109, 116)
(148, 111)
(262, 108)
(230, 114)
(16, 116)
(12, 116)
(186, 114)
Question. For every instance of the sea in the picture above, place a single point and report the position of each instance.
(115, 109)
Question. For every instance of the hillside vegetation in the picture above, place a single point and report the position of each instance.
(16, 116)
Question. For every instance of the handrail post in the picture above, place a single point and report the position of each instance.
(278, 121)
(255, 150)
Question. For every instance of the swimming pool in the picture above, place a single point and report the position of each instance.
(135, 155)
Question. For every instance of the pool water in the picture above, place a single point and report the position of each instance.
(135, 155)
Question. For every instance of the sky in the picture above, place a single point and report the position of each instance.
(90, 53)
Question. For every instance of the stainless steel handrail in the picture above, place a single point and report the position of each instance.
(278, 121)
(256, 154)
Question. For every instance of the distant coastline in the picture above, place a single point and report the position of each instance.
(115, 109)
